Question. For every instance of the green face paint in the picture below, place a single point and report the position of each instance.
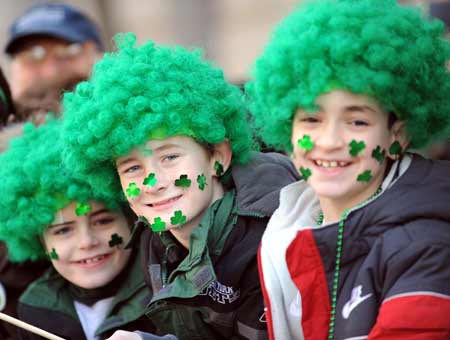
(115, 240)
(219, 168)
(82, 209)
(53, 255)
(305, 172)
(158, 225)
(395, 149)
(183, 182)
(365, 177)
(178, 218)
(150, 180)
(133, 190)
(305, 143)
(379, 154)
(356, 147)
(201, 180)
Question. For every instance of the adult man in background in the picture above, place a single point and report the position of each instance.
(51, 46)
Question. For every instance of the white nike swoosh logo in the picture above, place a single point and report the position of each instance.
(351, 305)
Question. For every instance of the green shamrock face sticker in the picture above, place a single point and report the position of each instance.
(115, 240)
(150, 180)
(178, 218)
(145, 150)
(201, 180)
(183, 182)
(82, 209)
(356, 147)
(379, 154)
(219, 168)
(158, 225)
(133, 190)
(366, 176)
(305, 143)
(53, 255)
(395, 148)
(305, 172)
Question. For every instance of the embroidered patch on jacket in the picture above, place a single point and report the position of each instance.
(220, 293)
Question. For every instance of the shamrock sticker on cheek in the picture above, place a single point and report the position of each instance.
(356, 147)
(133, 190)
(53, 255)
(365, 177)
(178, 218)
(158, 225)
(115, 240)
(201, 180)
(379, 154)
(305, 172)
(306, 144)
(183, 182)
(82, 209)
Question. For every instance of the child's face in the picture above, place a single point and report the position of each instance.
(343, 117)
(164, 196)
(82, 245)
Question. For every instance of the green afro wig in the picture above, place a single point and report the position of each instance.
(139, 91)
(34, 186)
(372, 47)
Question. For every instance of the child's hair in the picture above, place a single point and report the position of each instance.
(377, 48)
(34, 186)
(146, 91)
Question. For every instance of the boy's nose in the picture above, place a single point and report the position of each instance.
(87, 238)
(330, 137)
(155, 182)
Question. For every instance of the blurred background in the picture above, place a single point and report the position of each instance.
(232, 32)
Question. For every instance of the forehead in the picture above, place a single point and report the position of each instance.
(68, 212)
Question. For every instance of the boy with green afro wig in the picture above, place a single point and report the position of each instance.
(165, 128)
(355, 250)
(46, 213)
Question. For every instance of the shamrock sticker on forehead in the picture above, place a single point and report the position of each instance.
(379, 154)
(305, 143)
(150, 180)
(53, 255)
(133, 190)
(219, 168)
(356, 147)
(178, 218)
(115, 240)
(145, 150)
(395, 149)
(183, 182)
(305, 172)
(201, 180)
(366, 176)
(82, 209)
(158, 225)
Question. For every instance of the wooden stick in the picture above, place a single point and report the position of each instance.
(28, 327)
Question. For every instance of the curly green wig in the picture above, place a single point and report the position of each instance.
(139, 91)
(372, 47)
(34, 186)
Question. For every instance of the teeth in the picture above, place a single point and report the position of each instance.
(93, 260)
(330, 164)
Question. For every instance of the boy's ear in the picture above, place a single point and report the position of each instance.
(222, 154)
(399, 134)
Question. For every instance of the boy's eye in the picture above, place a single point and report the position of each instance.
(132, 169)
(62, 231)
(170, 157)
(103, 221)
(309, 119)
(359, 122)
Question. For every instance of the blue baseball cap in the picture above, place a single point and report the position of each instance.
(54, 20)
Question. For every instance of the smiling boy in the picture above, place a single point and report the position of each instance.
(357, 250)
(167, 130)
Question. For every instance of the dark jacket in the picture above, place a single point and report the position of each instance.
(48, 304)
(212, 291)
(394, 281)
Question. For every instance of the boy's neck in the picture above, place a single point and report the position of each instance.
(183, 234)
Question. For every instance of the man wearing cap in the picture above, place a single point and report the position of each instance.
(51, 44)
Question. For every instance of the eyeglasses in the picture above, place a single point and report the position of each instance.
(38, 53)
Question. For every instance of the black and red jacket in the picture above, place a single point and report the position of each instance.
(395, 272)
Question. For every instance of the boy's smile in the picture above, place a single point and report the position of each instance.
(344, 120)
(81, 245)
(173, 193)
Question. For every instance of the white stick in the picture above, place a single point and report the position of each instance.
(28, 327)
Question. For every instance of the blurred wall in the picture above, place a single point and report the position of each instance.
(232, 32)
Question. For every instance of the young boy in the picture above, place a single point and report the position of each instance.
(358, 249)
(94, 285)
(166, 128)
